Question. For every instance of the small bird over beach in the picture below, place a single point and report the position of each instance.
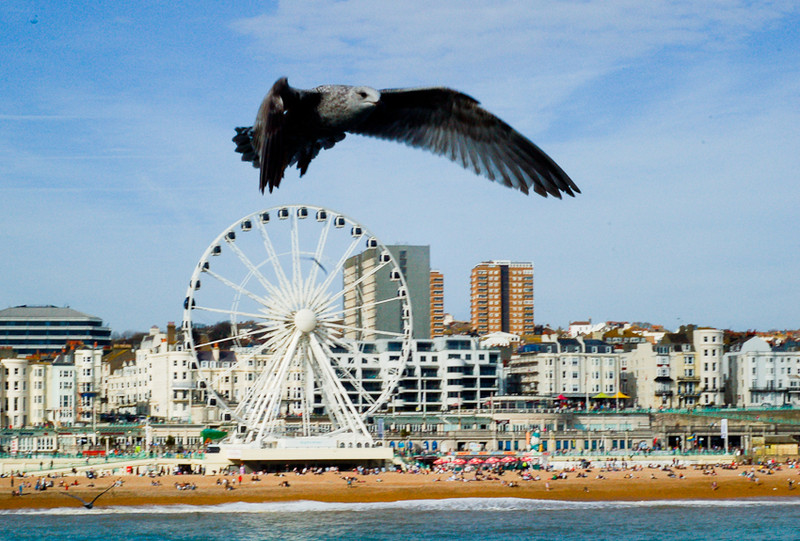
(294, 125)
(88, 505)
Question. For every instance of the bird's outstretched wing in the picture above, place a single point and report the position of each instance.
(87, 505)
(269, 137)
(76, 497)
(106, 490)
(454, 125)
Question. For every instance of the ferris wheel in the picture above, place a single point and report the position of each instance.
(283, 315)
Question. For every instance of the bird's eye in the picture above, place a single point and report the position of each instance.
(362, 94)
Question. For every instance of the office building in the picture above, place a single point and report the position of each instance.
(29, 330)
(414, 264)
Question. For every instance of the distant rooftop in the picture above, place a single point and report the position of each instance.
(42, 312)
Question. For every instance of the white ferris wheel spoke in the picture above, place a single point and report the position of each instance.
(270, 402)
(295, 237)
(233, 338)
(228, 371)
(235, 312)
(365, 330)
(237, 287)
(254, 271)
(272, 256)
(261, 390)
(335, 388)
(366, 395)
(321, 242)
(330, 314)
(261, 382)
(353, 285)
(315, 298)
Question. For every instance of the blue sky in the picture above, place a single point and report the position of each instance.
(678, 121)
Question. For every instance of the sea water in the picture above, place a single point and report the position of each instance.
(463, 519)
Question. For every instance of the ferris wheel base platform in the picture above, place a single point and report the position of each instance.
(256, 459)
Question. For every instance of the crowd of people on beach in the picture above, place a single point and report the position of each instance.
(506, 475)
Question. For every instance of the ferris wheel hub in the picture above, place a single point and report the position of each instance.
(305, 320)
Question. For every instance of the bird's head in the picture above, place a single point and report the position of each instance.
(363, 98)
(365, 95)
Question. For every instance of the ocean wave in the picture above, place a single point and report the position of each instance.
(451, 504)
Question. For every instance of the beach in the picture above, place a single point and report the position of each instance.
(599, 484)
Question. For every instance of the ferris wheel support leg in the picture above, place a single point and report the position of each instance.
(337, 390)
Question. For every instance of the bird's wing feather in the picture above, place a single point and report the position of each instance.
(280, 135)
(454, 125)
(268, 135)
(76, 497)
(106, 490)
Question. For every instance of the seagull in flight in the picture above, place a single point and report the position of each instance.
(294, 125)
(88, 505)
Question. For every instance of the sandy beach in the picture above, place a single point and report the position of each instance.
(598, 485)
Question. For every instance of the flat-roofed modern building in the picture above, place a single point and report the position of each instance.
(48, 329)
(414, 263)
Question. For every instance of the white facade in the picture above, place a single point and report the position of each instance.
(759, 375)
(575, 368)
(158, 382)
(88, 380)
(62, 393)
(682, 370)
(442, 373)
(15, 387)
(708, 347)
(39, 379)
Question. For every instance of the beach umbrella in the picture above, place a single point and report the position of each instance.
(441, 461)
(508, 459)
(476, 460)
(459, 461)
(492, 460)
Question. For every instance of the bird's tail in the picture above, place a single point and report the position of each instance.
(244, 145)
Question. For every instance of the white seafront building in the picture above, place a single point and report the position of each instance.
(62, 391)
(575, 369)
(762, 375)
(442, 373)
(681, 370)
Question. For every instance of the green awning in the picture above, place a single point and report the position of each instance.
(601, 395)
(211, 434)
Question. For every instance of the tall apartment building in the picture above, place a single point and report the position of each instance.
(501, 297)
(415, 264)
(437, 304)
